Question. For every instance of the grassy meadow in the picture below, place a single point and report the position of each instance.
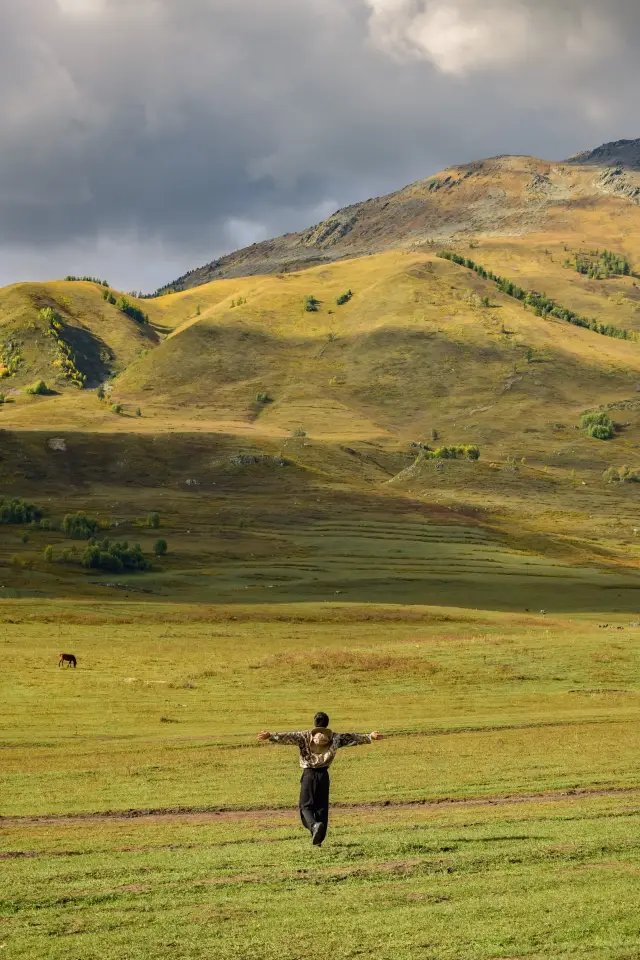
(141, 817)
(534, 880)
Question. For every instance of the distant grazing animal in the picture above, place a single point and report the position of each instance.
(67, 658)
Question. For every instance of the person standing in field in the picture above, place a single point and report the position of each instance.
(318, 748)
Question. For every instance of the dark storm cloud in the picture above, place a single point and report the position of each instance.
(142, 137)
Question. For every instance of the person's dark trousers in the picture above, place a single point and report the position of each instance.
(314, 797)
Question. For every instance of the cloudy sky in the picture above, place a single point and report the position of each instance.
(141, 138)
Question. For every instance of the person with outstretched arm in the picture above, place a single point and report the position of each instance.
(318, 748)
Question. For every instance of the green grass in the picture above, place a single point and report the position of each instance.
(463, 697)
(498, 819)
(523, 880)
(265, 533)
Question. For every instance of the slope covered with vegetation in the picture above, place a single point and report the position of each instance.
(66, 333)
(495, 375)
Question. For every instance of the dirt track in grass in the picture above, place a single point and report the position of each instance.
(206, 813)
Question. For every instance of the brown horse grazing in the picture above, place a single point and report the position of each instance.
(67, 658)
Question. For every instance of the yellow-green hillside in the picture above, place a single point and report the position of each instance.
(235, 397)
(96, 337)
(414, 349)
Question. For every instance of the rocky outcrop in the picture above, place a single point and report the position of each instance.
(618, 153)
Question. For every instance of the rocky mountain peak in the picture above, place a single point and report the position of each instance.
(617, 153)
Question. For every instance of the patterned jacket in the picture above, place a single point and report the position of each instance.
(318, 747)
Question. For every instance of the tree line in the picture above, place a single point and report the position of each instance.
(542, 305)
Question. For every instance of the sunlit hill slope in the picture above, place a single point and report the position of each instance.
(298, 383)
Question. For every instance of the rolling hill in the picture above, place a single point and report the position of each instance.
(97, 339)
(319, 374)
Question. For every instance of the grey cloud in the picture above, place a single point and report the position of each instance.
(462, 36)
(142, 137)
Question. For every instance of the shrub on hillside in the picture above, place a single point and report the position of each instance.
(344, 297)
(116, 408)
(153, 520)
(263, 398)
(109, 297)
(67, 359)
(598, 425)
(299, 432)
(52, 318)
(465, 452)
(48, 554)
(160, 548)
(78, 526)
(125, 306)
(39, 389)
(623, 474)
(114, 557)
(19, 511)
(311, 304)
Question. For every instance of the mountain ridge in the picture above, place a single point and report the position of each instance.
(505, 195)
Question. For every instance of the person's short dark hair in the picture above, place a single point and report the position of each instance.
(321, 720)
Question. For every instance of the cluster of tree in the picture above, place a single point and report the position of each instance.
(66, 359)
(542, 305)
(114, 557)
(344, 297)
(101, 283)
(600, 265)
(10, 358)
(78, 526)
(160, 292)
(240, 302)
(38, 389)
(465, 452)
(19, 511)
(598, 425)
(621, 475)
(311, 304)
(125, 306)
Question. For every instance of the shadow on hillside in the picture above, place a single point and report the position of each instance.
(93, 356)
